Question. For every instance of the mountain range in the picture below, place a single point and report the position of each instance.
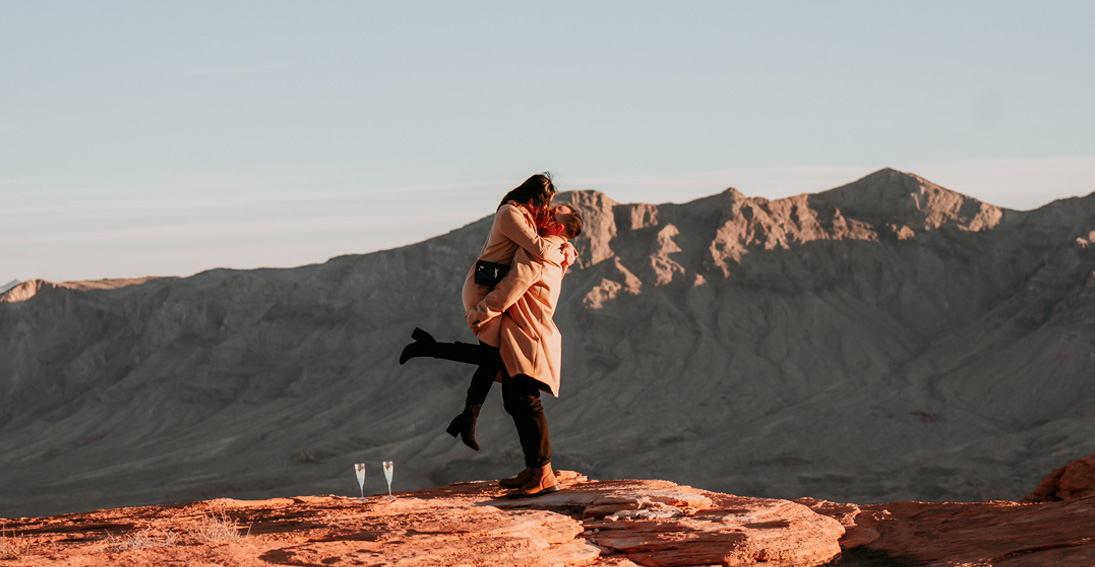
(885, 340)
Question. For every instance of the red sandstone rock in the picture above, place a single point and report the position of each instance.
(661, 524)
(603, 524)
(1074, 480)
(971, 534)
(620, 523)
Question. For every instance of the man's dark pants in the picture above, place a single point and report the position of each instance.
(521, 398)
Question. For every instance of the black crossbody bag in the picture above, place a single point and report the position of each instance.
(489, 273)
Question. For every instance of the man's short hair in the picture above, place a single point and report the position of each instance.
(572, 226)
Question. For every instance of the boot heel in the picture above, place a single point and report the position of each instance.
(464, 426)
(455, 426)
(420, 335)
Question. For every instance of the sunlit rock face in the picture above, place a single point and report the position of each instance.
(993, 533)
(588, 523)
(885, 340)
(1073, 481)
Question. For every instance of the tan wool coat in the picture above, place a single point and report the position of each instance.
(524, 304)
(514, 229)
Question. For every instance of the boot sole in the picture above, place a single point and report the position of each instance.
(548, 490)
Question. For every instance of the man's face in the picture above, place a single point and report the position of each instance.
(559, 215)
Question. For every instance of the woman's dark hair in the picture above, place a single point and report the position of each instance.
(537, 190)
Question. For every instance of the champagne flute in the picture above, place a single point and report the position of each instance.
(388, 469)
(359, 468)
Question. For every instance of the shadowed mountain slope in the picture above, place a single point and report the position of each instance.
(888, 339)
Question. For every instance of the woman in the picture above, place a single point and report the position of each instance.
(531, 348)
(516, 221)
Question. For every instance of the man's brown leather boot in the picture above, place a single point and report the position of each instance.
(517, 481)
(541, 482)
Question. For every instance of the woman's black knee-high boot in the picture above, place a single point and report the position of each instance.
(481, 382)
(425, 345)
(483, 355)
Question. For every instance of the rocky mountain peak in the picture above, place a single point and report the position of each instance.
(22, 291)
(889, 197)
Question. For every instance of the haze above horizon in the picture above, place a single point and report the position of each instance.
(165, 139)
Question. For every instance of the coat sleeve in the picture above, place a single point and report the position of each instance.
(524, 272)
(515, 226)
(570, 255)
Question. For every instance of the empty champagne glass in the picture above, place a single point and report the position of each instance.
(388, 469)
(359, 468)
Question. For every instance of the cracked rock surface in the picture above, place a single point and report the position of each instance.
(618, 523)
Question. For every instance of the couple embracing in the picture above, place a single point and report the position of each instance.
(510, 296)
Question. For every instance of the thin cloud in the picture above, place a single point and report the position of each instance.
(771, 183)
(223, 71)
(216, 197)
(1017, 183)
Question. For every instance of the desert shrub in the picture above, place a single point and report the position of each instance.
(10, 548)
(143, 539)
(218, 527)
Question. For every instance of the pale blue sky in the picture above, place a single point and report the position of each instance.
(155, 138)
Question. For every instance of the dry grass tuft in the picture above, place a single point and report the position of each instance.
(218, 527)
(10, 548)
(215, 528)
(143, 539)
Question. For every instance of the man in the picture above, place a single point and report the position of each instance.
(531, 347)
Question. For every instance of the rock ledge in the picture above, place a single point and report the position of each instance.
(619, 523)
